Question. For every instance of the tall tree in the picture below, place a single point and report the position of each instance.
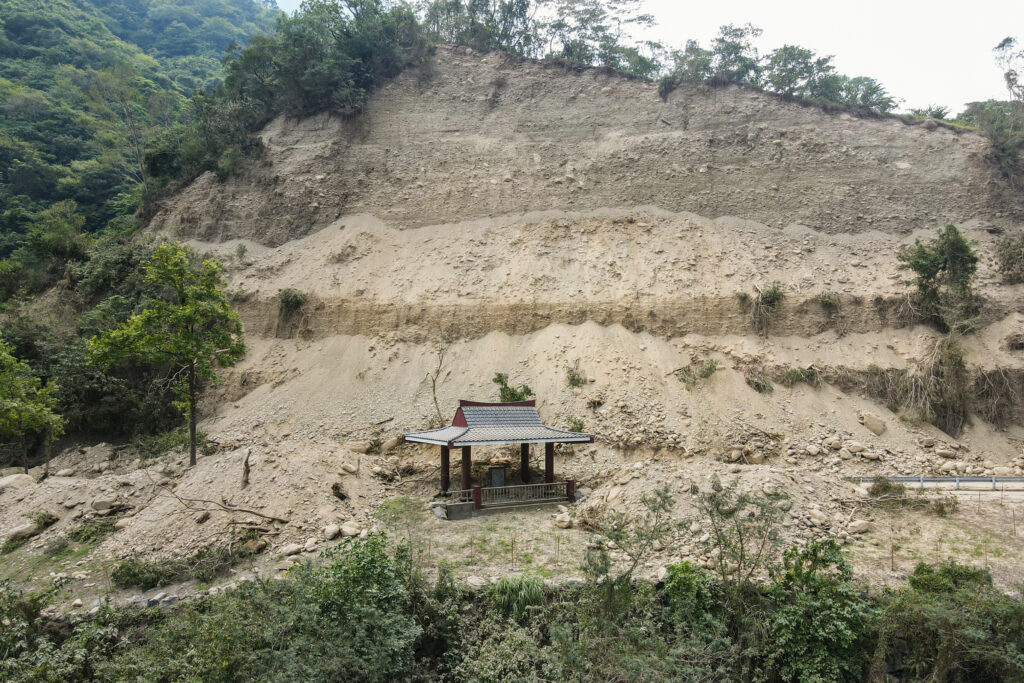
(26, 407)
(190, 329)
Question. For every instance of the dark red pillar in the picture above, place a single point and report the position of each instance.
(466, 464)
(549, 463)
(445, 468)
(570, 490)
(524, 462)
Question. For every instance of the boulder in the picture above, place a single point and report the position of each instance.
(755, 458)
(350, 529)
(291, 549)
(310, 545)
(1002, 471)
(949, 467)
(331, 531)
(870, 455)
(818, 517)
(858, 526)
(476, 583)
(8, 471)
(255, 545)
(103, 504)
(349, 467)
(391, 444)
(812, 450)
(65, 473)
(563, 520)
(358, 446)
(122, 523)
(23, 531)
(15, 481)
(945, 453)
(856, 447)
(875, 424)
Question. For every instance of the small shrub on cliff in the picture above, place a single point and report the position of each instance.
(1010, 256)
(944, 270)
(510, 394)
(763, 307)
(574, 377)
(289, 301)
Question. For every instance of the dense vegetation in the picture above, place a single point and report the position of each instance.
(367, 612)
(86, 89)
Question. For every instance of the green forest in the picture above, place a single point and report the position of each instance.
(377, 609)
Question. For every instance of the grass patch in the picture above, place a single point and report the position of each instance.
(1010, 256)
(93, 531)
(808, 375)
(574, 377)
(757, 378)
(690, 375)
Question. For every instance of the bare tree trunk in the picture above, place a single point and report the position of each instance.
(192, 415)
(136, 145)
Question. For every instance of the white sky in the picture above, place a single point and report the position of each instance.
(922, 52)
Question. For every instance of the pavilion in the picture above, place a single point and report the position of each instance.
(493, 424)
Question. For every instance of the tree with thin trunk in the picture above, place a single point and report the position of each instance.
(116, 96)
(189, 328)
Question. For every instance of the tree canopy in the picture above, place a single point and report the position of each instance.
(26, 406)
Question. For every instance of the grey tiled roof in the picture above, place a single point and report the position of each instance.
(498, 424)
(502, 416)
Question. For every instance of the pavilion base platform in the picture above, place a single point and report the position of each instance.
(487, 500)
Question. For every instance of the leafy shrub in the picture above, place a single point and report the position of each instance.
(820, 627)
(691, 591)
(575, 424)
(289, 301)
(1010, 256)
(510, 394)
(349, 619)
(574, 377)
(948, 577)
(516, 595)
(950, 624)
(944, 268)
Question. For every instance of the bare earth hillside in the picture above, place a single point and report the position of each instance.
(527, 219)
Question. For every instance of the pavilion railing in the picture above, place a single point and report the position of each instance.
(510, 495)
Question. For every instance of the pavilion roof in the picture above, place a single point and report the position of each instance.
(478, 424)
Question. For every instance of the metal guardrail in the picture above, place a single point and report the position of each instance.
(943, 480)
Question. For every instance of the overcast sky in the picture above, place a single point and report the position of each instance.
(922, 52)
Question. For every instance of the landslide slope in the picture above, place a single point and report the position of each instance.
(528, 219)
